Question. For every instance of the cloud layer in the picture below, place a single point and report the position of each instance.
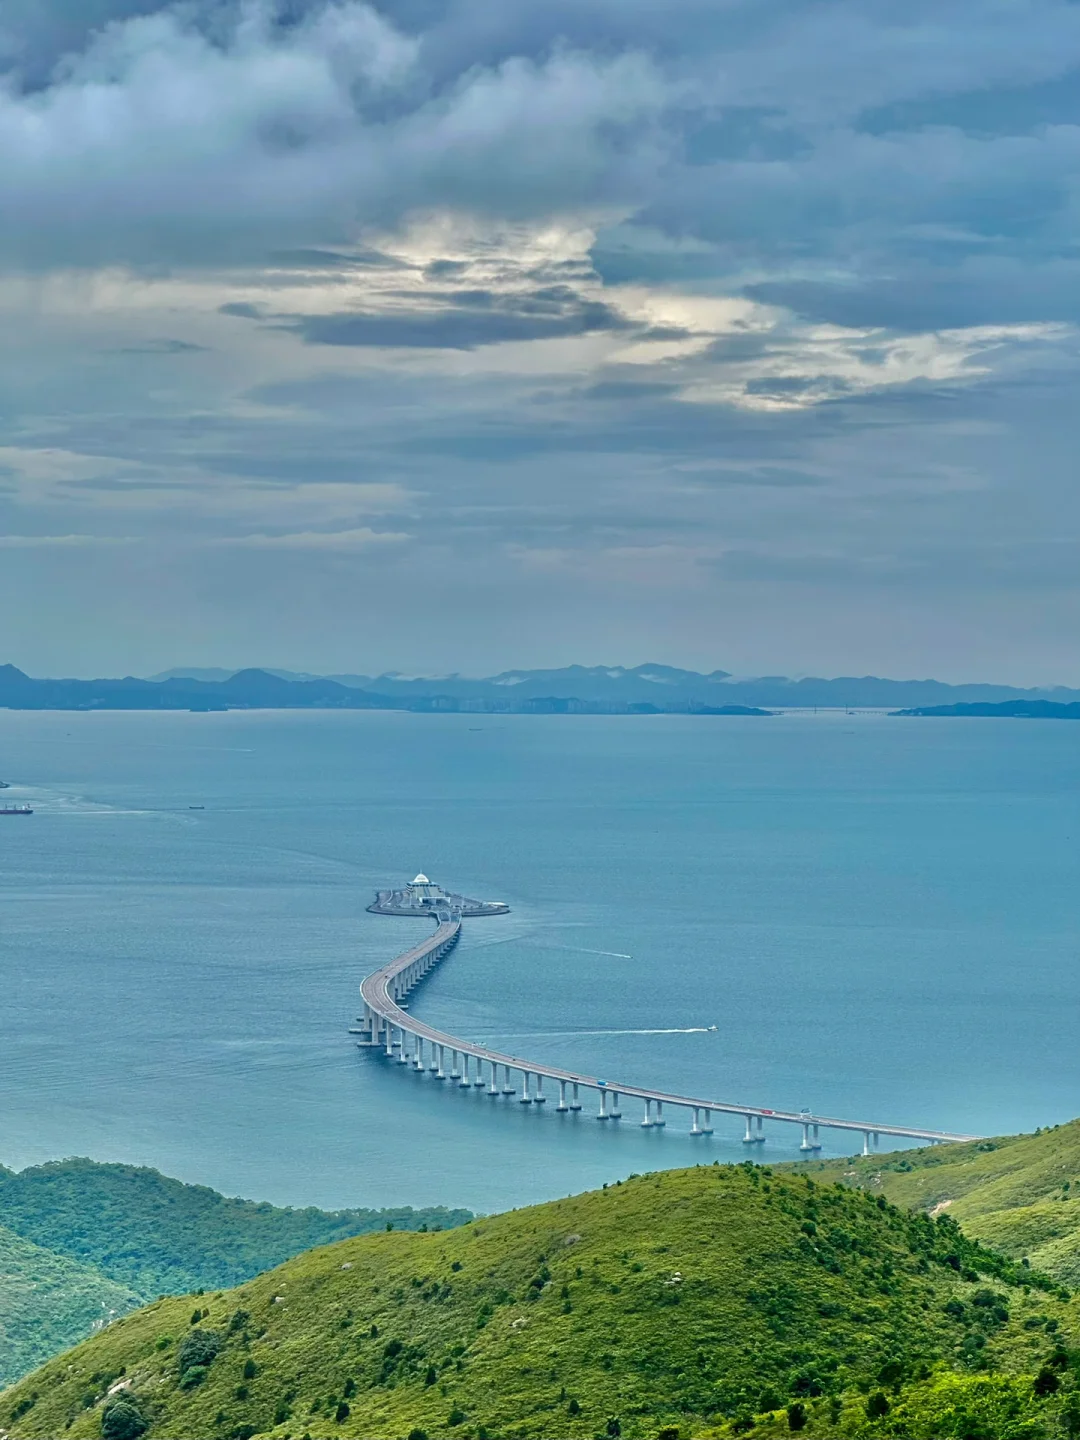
(732, 335)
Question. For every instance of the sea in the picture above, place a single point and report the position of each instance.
(866, 915)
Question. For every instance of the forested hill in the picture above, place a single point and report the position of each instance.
(158, 1235)
(707, 1302)
(1019, 1193)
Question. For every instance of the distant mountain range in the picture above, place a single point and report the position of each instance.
(575, 689)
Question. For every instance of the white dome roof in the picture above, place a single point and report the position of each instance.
(421, 880)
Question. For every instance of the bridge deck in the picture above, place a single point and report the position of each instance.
(376, 991)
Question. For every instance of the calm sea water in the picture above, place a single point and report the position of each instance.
(880, 916)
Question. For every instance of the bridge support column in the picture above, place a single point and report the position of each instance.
(494, 1087)
(540, 1098)
(866, 1142)
(508, 1088)
(526, 1098)
(814, 1140)
(806, 1137)
(706, 1128)
(440, 1072)
(455, 1073)
(760, 1136)
(419, 1052)
(647, 1122)
(562, 1105)
(615, 1112)
(575, 1103)
(479, 1081)
(403, 1053)
(695, 1128)
(465, 1077)
(749, 1137)
(877, 1139)
(389, 1037)
(659, 1114)
(434, 1066)
(603, 1115)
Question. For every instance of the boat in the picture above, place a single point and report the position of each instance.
(15, 810)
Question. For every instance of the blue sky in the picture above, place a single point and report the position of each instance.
(446, 334)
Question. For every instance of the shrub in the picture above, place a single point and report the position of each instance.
(573, 1408)
(1045, 1382)
(877, 1406)
(192, 1376)
(342, 1412)
(417, 1434)
(198, 1349)
(431, 1376)
(796, 1416)
(456, 1416)
(250, 1369)
(122, 1419)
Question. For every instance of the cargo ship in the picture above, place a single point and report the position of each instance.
(15, 810)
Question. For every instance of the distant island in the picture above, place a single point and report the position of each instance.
(649, 689)
(1011, 709)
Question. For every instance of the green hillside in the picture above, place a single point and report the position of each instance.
(1018, 1193)
(684, 1303)
(158, 1235)
(48, 1302)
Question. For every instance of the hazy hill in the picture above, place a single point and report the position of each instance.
(1019, 1193)
(1010, 710)
(576, 689)
(663, 687)
(156, 1234)
(673, 1304)
(48, 1302)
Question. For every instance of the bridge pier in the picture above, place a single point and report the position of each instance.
(615, 1112)
(508, 1088)
(403, 1053)
(526, 1098)
(647, 1122)
(434, 1066)
(466, 1079)
(539, 1098)
(815, 1141)
(695, 1128)
(494, 1087)
(603, 1115)
(575, 1104)
(806, 1137)
(749, 1137)
(660, 1121)
(562, 1106)
(866, 1142)
(455, 1073)
(479, 1082)
(440, 1073)
(419, 1060)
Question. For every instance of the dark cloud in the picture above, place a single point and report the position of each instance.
(477, 318)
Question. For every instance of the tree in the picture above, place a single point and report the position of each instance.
(796, 1416)
(342, 1412)
(122, 1419)
(877, 1406)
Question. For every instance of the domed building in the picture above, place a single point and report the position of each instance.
(423, 891)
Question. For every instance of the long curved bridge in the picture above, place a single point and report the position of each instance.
(387, 1025)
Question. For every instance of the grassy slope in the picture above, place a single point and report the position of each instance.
(786, 1287)
(48, 1302)
(1020, 1193)
(159, 1235)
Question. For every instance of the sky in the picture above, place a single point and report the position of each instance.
(451, 335)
